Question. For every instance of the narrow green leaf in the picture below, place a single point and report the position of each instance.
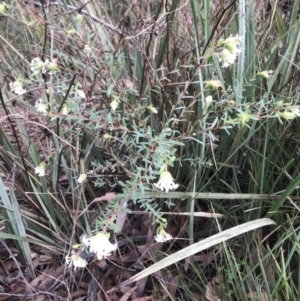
(197, 247)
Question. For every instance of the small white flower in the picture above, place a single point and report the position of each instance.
(230, 50)
(291, 114)
(114, 105)
(227, 57)
(79, 18)
(209, 99)
(51, 66)
(214, 84)
(208, 102)
(100, 245)
(41, 107)
(296, 111)
(3, 7)
(87, 49)
(37, 66)
(65, 110)
(265, 74)
(76, 261)
(107, 136)
(72, 31)
(17, 87)
(163, 236)
(80, 93)
(166, 182)
(81, 178)
(232, 44)
(152, 109)
(40, 170)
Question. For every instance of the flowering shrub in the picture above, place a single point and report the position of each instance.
(147, 122)
(151, 147)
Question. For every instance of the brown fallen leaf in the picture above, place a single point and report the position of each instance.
(127, 295)
(49, 278)
(212, 289)
(120, 219)
(79, 292)
(173, 285)
(39, 298)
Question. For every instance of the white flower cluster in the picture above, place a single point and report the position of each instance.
(114, 105)
(87, 49)
(230, 50)
(163, 236)
(80, 93)
(41, 106)
(17, 87)
(101, 245)
(98, 244)
(166, 182)
(38, 66)
(40, 170)
(76, 261)
(81, 178)
(152, 109)
(65, 110)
